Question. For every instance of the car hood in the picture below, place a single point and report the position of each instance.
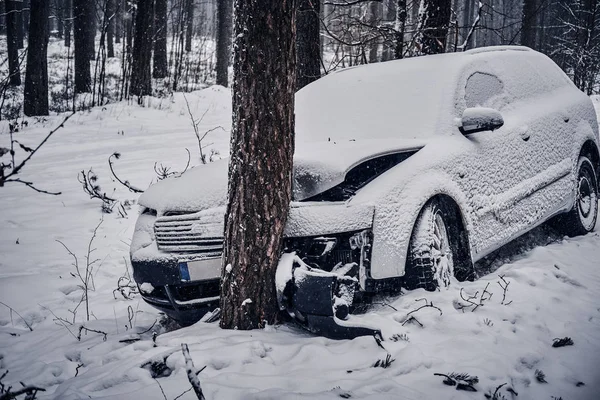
(318, 166)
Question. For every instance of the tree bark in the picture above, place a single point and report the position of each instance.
(159, 67)
(308, 43)
(83, 52)
(68, 13)
(528, 30)
(110, 29)
(35, 100)
(21, 26)
(400, 26)
(189, 24)
(224, 31)
(433, 27)
(118, 20)
(11, 37)
(141, 82)
(60, 17)
(260, 166)
(375, 15)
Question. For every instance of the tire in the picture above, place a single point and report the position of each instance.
(581, 219)
(438, 249)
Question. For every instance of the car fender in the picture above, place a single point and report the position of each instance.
(397, 214)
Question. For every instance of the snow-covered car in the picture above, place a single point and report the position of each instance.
(405, 173)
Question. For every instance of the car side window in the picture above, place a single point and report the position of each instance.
(482, 89)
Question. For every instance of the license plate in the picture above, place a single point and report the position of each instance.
(200, 270)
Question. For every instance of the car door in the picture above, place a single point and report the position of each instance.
(494, 162)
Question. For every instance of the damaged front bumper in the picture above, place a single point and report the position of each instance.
(321, 280)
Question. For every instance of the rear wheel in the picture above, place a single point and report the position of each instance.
(438, 248)
(582, 217)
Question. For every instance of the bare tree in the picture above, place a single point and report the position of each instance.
(224, 28)
(141, 82)
(308, 43)
(260, 169)
(189, 24)
(434, 21)
(159, 67)
(35, 101)
(11, 38)
(82, 14)
(110, 29)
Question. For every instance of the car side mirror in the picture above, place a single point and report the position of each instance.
(478, 119)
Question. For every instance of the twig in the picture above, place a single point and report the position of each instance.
(504, 289)
(16, 169)
(124, 183)
(161, 389)
(20, 316)
(192, 372)
(475, 300)
(427, 304)
(182, 394)
(82, 328)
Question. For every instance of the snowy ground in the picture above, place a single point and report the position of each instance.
(554, 291)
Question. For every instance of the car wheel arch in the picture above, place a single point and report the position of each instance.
(590, 150)
(459, 228)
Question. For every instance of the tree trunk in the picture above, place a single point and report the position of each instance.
(528, 30)
(21, 27)
(81, 33)
(35, 100)
(60, 17)
(160, 39)
(26, 6)
(375, 14)
(189, 24)
(433, 27)
(260, 169)
(118, 20)
(110, 29)
(68, 13)
(401, 13)
(11, 37)
(141, 82)
(224, 31)
(308, 43)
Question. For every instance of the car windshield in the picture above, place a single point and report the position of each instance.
(398, 99)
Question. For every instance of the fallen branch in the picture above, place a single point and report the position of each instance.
(15, 169)
(192, 372)
(83, 328)
(124, 183)
(20, 316)
(504, 285)
(475, 300)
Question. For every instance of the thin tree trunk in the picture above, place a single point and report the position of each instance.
(308, 43)
(60, 17)
(35, 100)
(110, 29)
(375, 14)
(26, 6)
(400, 27)
(262, 147)
(141, 82)
(11, 37)
(159, 68)
(528, 30)
(433, 25)
(189, 24)
(68, 13)
(20, 24)
(81, 32)
(224, 31)
(118, 21)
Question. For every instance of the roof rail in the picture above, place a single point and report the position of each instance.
(489, 49)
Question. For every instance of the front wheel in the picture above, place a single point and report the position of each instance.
(435, 254)
(581, 219)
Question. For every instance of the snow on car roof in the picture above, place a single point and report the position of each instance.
(403, 99)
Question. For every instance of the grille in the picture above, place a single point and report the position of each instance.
(190, 233)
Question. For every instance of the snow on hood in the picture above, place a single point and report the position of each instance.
(318, 166)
